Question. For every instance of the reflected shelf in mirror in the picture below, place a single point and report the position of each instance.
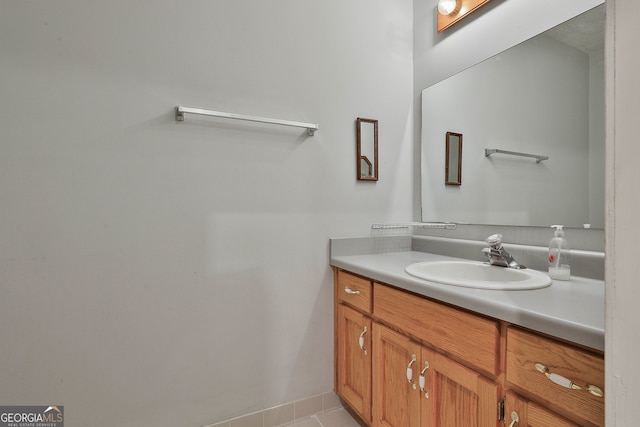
(489, 151)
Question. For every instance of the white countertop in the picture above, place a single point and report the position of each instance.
(572, 310)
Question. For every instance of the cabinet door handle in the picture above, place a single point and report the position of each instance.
(410, 371)
(515, 419)
(361, 341)
(565, 382)
(350, 291)
(422, 380)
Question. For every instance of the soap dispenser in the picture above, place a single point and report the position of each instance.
(559, 256)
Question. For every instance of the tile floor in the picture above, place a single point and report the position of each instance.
(335, 418)
(322, 410)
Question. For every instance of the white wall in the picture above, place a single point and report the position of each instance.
(623, 209)
(176, 274)
(145, 265)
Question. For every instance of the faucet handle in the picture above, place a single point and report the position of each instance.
(494, 240)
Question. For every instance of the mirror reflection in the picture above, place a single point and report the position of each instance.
(453, 159)
(367, 149)
(544, 96)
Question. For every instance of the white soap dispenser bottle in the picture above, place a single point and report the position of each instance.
(559, 256)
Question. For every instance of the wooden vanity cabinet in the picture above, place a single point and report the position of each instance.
(458, 396)
(530, 414)
(416, 386)
(396, 401)
(416, 380)
(353, 342)
(429, 364)
(354, 360)
(354, 290)
(470, 338)
(533, 360)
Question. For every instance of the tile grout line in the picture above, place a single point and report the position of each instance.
(325, 401)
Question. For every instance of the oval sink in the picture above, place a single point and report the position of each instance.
(473, 274)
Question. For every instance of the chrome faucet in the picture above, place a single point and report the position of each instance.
(498, 255)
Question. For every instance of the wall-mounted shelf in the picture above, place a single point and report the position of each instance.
(181, 111)
(490, 151)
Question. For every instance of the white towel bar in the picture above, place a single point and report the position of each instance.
(490, 151)
(181, 111)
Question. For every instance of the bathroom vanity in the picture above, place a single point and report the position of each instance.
(412, 353)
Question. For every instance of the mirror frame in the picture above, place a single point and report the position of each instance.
(373, 165)
(448, 159)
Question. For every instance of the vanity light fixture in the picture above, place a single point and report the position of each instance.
(447, 7)
(451, 11)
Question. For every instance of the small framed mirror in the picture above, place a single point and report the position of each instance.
(453, 159)
(367, 149)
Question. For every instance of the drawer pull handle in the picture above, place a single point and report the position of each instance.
(410, 371)
(422, 379)
(361, 341)
(350, 291)
(515, 419)
(565, 382)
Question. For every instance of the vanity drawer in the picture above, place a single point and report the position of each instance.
(354, 290)
(466, 336)
(526, 350)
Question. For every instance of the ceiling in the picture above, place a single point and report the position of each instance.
(584, 32)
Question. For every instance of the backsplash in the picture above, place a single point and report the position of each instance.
(579, 238)
(587, 263)
(583, 263)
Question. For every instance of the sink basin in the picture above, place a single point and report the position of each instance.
(473, 274)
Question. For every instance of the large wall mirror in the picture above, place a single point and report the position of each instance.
(544, 96)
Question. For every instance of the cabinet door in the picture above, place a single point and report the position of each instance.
(529, 414)
(457, 396)
(354, 360)
(396, 400)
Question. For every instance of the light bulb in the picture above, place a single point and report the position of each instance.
(447, 7)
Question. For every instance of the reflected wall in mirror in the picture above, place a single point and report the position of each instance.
(367, 149)
(545, 95)
(453, 159)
